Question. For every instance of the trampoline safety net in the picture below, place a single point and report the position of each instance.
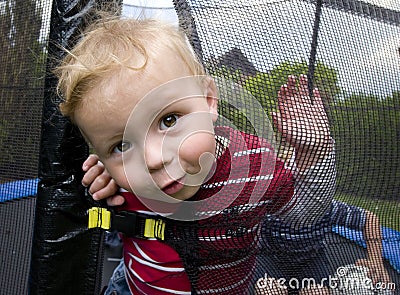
(23, 60)
(326, 219)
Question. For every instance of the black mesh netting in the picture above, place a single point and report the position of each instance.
(43, 238)
(270, 217)
(349, 51)
(23, 55)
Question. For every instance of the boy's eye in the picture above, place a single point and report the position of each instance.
(168, 121)
(122, 147)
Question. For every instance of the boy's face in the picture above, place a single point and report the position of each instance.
(153, 128)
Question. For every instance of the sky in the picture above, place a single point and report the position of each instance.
(364, 51)
(163, 9)
(391, 4)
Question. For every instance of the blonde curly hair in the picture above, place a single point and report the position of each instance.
(111, 44)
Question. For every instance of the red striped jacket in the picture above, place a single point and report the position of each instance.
(218, 254)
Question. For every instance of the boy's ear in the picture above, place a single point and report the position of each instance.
(211, 93)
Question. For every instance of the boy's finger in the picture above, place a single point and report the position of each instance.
(291, 88)
(277, 121)
(101, 182)
(283, 99)
(362, 262)
(116, 200)
(303, 86)
(103, 192)
(91, 161)
(291, 81)
(91, 175)
(317, 96)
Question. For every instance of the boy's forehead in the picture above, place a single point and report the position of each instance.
(169, 93)
(161, 71)
(164, 78)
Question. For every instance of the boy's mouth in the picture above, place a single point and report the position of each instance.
(174, 187)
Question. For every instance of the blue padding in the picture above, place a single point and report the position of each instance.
(390, 242)
(18, 189)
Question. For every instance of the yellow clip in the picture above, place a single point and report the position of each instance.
(154, 228)
(99, 217)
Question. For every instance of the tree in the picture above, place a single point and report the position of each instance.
(265, 86)
(367, 132)
(21, 87)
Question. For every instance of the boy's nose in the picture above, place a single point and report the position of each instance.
(156, 157)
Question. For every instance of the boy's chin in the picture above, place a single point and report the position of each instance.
(186, 194)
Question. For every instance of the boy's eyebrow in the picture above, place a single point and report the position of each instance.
(118, 136)
(154, 113)
(169, 95)
(165, 108)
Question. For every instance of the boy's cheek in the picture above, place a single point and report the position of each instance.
(119, 176)
(197, 156)
(123, 183)
(197, 146)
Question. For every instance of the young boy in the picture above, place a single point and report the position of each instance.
(296, 254)
(140, 98)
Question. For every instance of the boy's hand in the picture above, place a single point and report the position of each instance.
(101, 185)
(376, 270)
(301, 119)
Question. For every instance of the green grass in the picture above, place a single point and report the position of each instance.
(388, 211)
